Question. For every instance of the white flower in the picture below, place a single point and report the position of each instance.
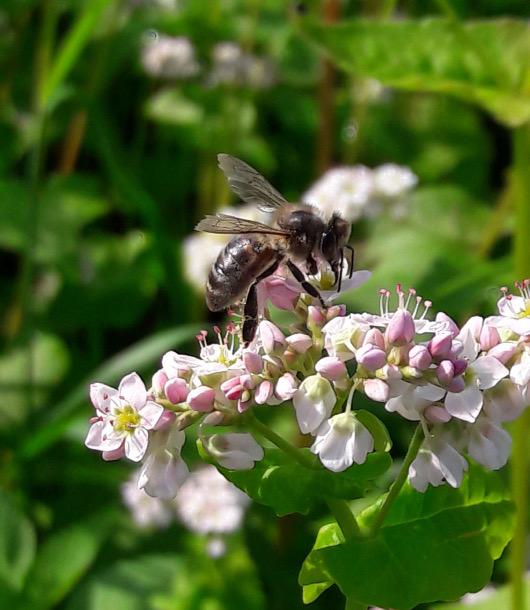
(313, 402)
(169, 57)
(343, 336)
(413, 400)
(520, 371)
(124, 418)
(489, 444)
(145, 510)
(482, 374)
(504, 402)
(342, 440)
(235, 451)
(514, 310)
(209, 504)
(391, 180)
(436, 462)
(163, 470)
(346, 190)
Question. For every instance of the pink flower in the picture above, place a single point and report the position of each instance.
(201, 399)
(282, 292)
(331, 368)
(176, 390)
(400, 329)
(270, 337)
(299, 342)
(371, 357)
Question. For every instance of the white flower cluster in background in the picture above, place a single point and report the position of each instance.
(359, 191)
(206, 504)
(233, 66)
(169, 57)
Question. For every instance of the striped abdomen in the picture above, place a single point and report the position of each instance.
(239, 264)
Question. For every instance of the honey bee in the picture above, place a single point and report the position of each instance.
(298, 235)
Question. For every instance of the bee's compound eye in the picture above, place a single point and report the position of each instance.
(300, 8)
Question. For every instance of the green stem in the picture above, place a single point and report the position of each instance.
(412, 452)
(521, 198)
(340, 508)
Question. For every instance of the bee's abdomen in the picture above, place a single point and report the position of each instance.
(238, 265)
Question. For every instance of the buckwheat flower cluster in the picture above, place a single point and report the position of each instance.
(165, 56)
(232, 66)
(360, 191)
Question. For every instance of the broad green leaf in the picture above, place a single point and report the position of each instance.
(432, 547)
(62, 560)
(288, 487)
(382, 440)
(481, 62)
(137, 357)
(17, 545)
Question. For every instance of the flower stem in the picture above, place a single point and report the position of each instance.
(412, 452)
(340, 508)
(520, 178)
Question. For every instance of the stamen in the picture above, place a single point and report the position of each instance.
(382, 293)
(428, 305)
(412, 292)
(415, 311)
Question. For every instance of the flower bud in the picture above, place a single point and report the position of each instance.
(376, 389)
(331, 368)
(201, 399)
(253, 362)
(457, 385)
(271, 336)
(286, 386)
(400, 329)
(313, 402)
(335, 311)
(445, 372)
(450, 324)
(489, 337)
(299, 342)
(419, 357)
(375, 337)
(176, 390)
(263, 392)
(158, 383)
(235, 392)
(166, 419)
(235, 451)
(371, 357)
(440, 345)
(460, 366)
(315, 317)
(245, 402)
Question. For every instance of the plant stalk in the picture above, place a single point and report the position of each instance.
(397, 485)
(520, 177)
(340, 508)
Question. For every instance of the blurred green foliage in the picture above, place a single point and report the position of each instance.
(104, 170)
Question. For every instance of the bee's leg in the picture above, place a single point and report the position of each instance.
(309, 288)
(350, 262)
(250, 313)
(312, 265)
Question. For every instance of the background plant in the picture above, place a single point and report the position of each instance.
(103, 171)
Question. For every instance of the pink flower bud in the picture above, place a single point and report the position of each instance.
(452, 327)
(503, 351)
(253, 362)
(281, 293)
(299, 342)
(286, 386)
(227, 385)
(375, 337)
(376, 389)
(215, 418)
(460, 366)
(315, 316)
(244, 402)
(371, 357)
(436, 414)
(247, 381)
(235, 392)
(489, 337)
(263, 392)
(176, 390)
(457, 385)
(166, 419)
(331, 368)
(159, 381)
(400, 329)
(271, 336)
(445, 372)
(201, 399)
(335, 311)
(419, 357)
(440, 345)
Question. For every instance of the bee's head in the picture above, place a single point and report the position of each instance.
(334, 239)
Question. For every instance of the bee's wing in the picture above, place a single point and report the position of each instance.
(249, 184)
(223, 223)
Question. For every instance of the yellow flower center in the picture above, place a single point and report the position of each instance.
(526, 312)
(127, 419)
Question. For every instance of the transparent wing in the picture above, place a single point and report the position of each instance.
(249, 184)
(223, 223)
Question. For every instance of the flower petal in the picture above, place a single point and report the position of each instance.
(465, 405)
(136, 444)
(489, 371)
(150, 413)
(132, 389)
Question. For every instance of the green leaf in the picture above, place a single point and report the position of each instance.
(137, 357)
(482, 62)
(62, 560)
(17, 544)
(288, 487)
(382, 440)
(432, 547)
